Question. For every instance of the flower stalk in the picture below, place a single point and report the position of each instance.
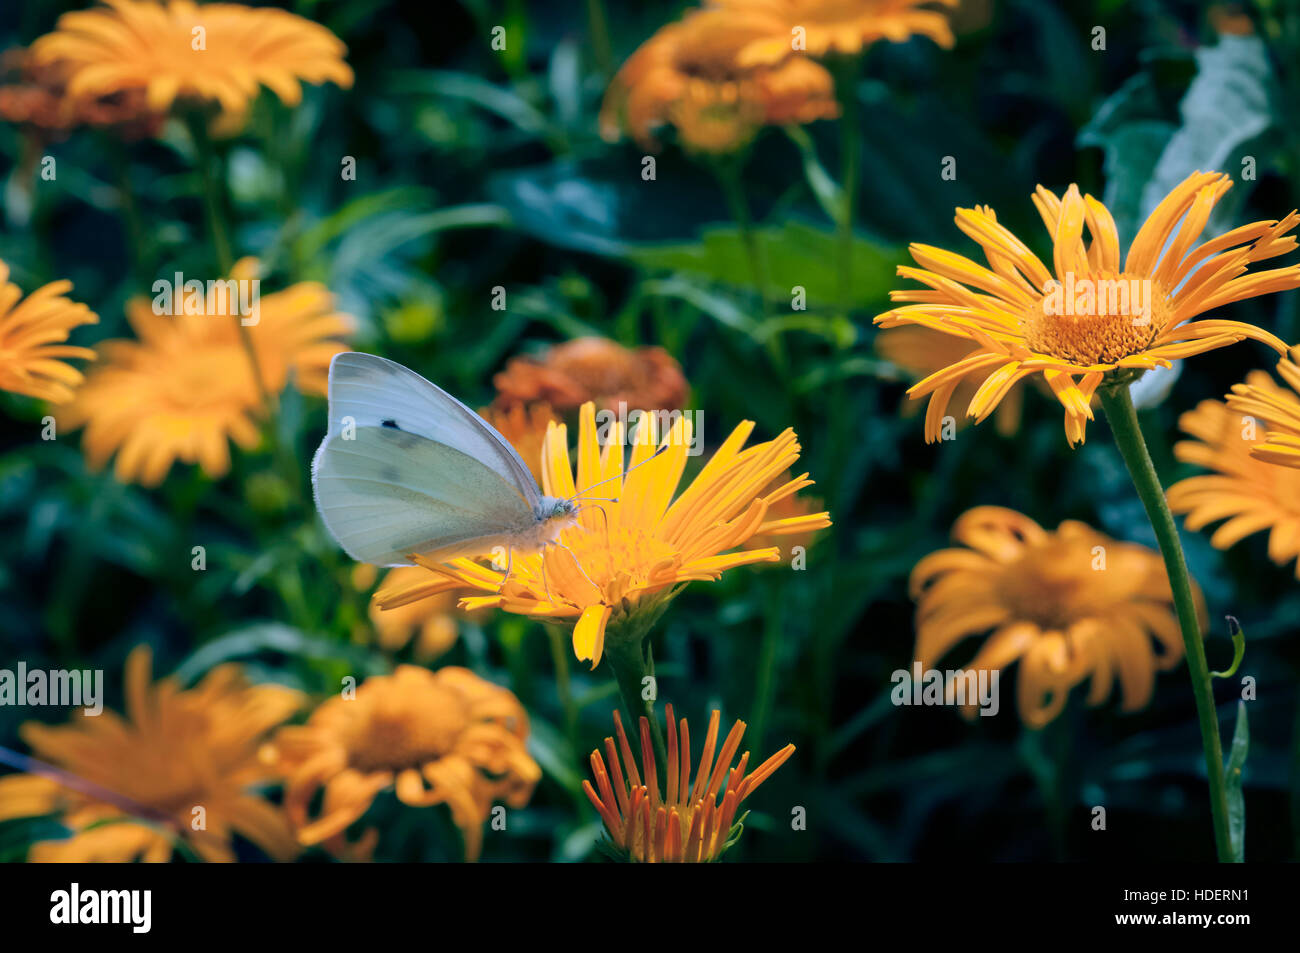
(1117, 404)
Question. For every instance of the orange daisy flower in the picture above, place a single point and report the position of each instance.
(825, 27)
(683, 823)
(187, 757)
(687, 75)
(1066, 605)
(185, 388)
(1090, 319)
(219, 52)
(445, 737)
(623, 560)
(1278, 407)
(1246, 487)
(32, 332)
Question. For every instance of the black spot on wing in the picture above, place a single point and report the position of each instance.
(391, 424)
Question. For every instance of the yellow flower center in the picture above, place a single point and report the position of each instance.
(407, 737)
(616, 559)
(1097, 318)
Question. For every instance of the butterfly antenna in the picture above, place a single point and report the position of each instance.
(619, 476)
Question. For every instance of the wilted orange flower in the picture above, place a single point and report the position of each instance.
(596, 369)
(922, 351)
(32, 332)
(1079, 324)
(186, 386)
(171, 50)
(822, 27)
(1245, 487)
(187, 757)
(524, 425)
(625, 559)
(35, 97)
(1067, 605)
(445, 737)
(683, 823)
(687, 76)
(431, 623)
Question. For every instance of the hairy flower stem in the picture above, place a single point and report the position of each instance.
(631, 668)
(1122, 416)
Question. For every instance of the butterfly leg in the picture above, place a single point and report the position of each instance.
(579, 565)
(510, 561)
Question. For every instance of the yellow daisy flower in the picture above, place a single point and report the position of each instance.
(682, 822)
(188, 757)
(1245, 486)
(687, 76)
(827, 27)
(623, 560)
(1279, 407)
(172, 50)
(185, 387)
(1067, 605)
(445, 737)
(32, 332)
(1088, 319)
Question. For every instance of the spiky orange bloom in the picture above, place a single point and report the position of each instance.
(568, 375)
(32, 332)
(445, 737)
(625, 559)
(187, 758)
(1276, 406)
(1076, 325)
(221, 52)
(687, 76)
(186, 386)
(823, 27)
(685, 823)
(1067, 605)
(921, 351)
(1246, 487)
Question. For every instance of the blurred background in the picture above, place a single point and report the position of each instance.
(479, 168)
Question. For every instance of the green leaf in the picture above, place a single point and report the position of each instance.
(1236, 802)
(794, 255)
(1228, 104)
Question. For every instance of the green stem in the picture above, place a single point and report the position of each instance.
(598, 27)
(631, 668)
(563, 683)
(729, 176)
(846, 89)
(216, 220)
(767, 652)
(1120, 413)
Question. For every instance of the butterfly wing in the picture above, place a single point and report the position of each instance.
(385, 494)
(376, 392)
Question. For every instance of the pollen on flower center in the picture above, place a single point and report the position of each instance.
(605, 554)
(1096, 319)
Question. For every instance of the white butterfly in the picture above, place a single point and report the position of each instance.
(406, 468)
